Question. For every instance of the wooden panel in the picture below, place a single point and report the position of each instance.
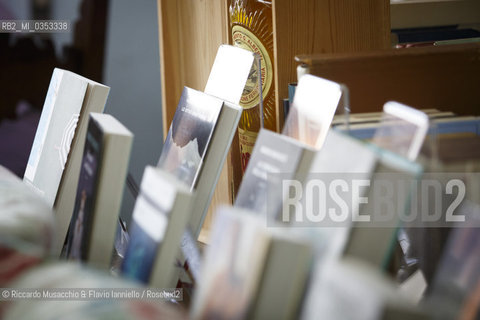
(446, 77)
(189, 35)
(324, 26)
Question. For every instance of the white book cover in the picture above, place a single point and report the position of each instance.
(54, 134)
(229, 73)
(314, 105)
(62, 126)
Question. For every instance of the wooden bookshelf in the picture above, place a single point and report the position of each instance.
(440, 77)
(190, 32)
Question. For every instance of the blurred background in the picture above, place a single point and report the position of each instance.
(112, 42)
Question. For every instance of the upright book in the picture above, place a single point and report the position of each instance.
(230, 73)
(160, 215)
(233, 266)
(54, 163)
(402, 129)
(275, 158)
(284, 277)
(102, 178)
(95, 99)
(197, 144)
(332, 165)
(314, 105)
(350, 289)
(389, 200)
(55, 133)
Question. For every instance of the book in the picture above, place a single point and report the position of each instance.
(232, 76)
(284, 277)
(390, 196)
(230, 73)
(440, 125)
(292, 86)
(196, 146)
(330, 234)
(94, 101)
(375, 117)
(402, 129)
(314, 105)
(350, 289)
(160, 216)
(92, 229)
(233, 266)
(275, 158)
(55, 133)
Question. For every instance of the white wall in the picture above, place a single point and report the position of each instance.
(64, 10)
(132, 70)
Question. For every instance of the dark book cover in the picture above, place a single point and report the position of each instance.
(77, 241)
(189, 135)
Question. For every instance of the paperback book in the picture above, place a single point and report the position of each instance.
(314, 105)
(102, 178)
(160, 216)
(197, 144)
(233, 266)
(275, 157)
(55, 132)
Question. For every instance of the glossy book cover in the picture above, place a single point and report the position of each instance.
(189, 135)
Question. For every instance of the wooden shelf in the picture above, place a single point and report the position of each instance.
(441, 77)
(423, 13)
